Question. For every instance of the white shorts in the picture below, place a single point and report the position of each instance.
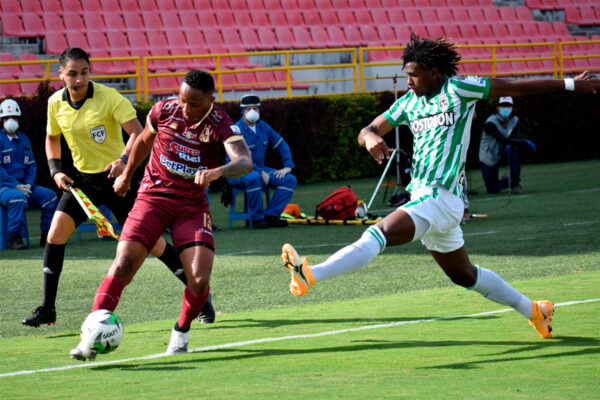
(442, 211)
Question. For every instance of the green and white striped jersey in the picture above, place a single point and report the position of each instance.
(441, 128)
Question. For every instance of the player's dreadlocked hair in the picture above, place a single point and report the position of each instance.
(431, 53)
(200, 80)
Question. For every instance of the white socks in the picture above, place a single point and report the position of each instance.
(351, 257)
(491, 286)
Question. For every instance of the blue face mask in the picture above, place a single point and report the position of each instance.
(505, 111)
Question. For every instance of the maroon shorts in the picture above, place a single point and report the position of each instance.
(189, 220)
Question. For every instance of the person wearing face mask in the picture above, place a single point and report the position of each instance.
(260, 137)
(17, 176)
(501, 136)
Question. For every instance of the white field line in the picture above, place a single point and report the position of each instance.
(274, 339)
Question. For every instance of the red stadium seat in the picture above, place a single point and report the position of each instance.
(452, 32)
(492, 16)
(272, 5)
(97, 41)
(72, 21)
(380, 17)
(159, 65)
(523, 14)
(151, 20)
(87, 5)
(13, 26)
(346, 17)
(101, 67)
(402, 34)
(147, 5)
(184, 5)
(94, 21)
(33, 24)
(31, 70)
(286, 38)
(259, 18)
(387, 35)
(321, 38)
(11, 7)
(114, 21)
(110, 5)
(484, 31)
(356, 4)
(560, 29)
(117, 40)
(438, 3)
(133, 21)
(177, 41)
(204, 5)
(228, 82)
(500, 32)
(171, 19)
(138, 40)
(213, 37)
(289, 5)
(276, 18)
(11, 70)
(239, 5)
(477, 16)
(302, 36)
(339, 4)
(435, 31)
(336, 35)
(157, 39)
(190, 20)
(130, 5)
(515, 30)
(78, 40)
(52, 6)
(531, 30)
(255, 5)
(323, 4)
(125, 66)
(196, 41)
(242, 19)
(32, 6)
(55, 42)
(507, 14)
(267, 38)
(370, 36)
(163, 86)
(329, 17)
(363, 17)
(53, 23)
(166, 5)
(312, 17)
(460, 16)
(396, 16)
(250, 39)
(429, 16)
(294, 18)
(413, 16)
(9, 89)
(353, 36)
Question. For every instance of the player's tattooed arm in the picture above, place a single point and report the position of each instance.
(240, 164)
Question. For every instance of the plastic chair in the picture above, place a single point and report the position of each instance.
(91, 227)
(243, 215)
(4, 228)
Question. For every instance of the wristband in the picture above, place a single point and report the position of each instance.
(55, 165)
(124, 158)
(569, 84)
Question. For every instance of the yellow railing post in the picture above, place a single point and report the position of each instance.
(288, 80)
(560, 59)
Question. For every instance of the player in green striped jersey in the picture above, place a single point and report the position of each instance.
(438, 108)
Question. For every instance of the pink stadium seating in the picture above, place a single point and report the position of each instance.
(387, 36)
(97, 41)
(184, 5)
(13, 26)
(147, 5)
(329, 17)
(170, 19)
(276, 18)
(239, 5)
(137, 40)
(151, 20)
(11, 7)
(413, 16)
(476, 15)
(250, 39)
(380, 18)
(33, 24)
(231, 37)
(225, 20)
(190, 19)
(312, 17)
(114, 21)
(88, 5)
(31, 70)
(353, 36)
(321, 38)
(302, 35)
(122, 67)
(294, 18)
(242, 19)
(259, 18)
(133, 21)
(435, 31)
(323, 4)
(336, 35)
(11, 70)
(286, 38)
(118, 40)
(267, 38)
(94, 21)
(51, 6)
(363, 17)
(130, 5)
(370, 36)
(78, 40)
(55, 42)
(356, 4)
(168, 85)
(32, 6)
(460, 16)
(255, 5)
(339, 4)
(72, 21)
(523, 14)
(429, 16)
(396, 16)
(346, 17)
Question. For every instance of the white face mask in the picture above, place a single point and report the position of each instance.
(252, 116)
(11, 125)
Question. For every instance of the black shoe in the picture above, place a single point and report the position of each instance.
(40, 316)
(207, 315)
(16, 244)
(43, 239)
(275, 222)
(260, 224)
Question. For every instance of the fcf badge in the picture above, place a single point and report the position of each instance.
(98, 134)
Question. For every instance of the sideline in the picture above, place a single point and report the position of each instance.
(274, 339)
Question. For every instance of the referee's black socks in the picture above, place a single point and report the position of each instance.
(54, 256)
(170, 258)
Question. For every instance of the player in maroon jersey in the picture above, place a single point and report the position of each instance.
(186, 136)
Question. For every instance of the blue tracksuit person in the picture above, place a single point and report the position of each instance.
(17, 176)
(260, 137)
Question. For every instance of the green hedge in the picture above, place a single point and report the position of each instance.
(322, 131)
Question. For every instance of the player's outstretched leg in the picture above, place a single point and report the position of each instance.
(302, 276)
(179, 340)
(541, 316)
(82, 353)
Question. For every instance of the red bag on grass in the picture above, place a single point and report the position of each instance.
(341, 204)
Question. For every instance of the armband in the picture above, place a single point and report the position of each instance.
(55, 165)
(570, 84)
(124, 158)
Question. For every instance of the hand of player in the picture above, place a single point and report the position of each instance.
(586, 82)
(61, 180)
(116, 168)
(531, 144)
(24, 188)
(205, 176)
(121, 186)
(377, 147)
(265, 177)
(280, 173)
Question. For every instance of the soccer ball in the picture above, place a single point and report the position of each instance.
(102, 331)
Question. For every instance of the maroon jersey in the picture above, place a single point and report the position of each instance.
(180, 149)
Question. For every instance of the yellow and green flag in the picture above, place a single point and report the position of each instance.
(103, 225)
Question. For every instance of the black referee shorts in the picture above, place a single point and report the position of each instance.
(99, 188)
